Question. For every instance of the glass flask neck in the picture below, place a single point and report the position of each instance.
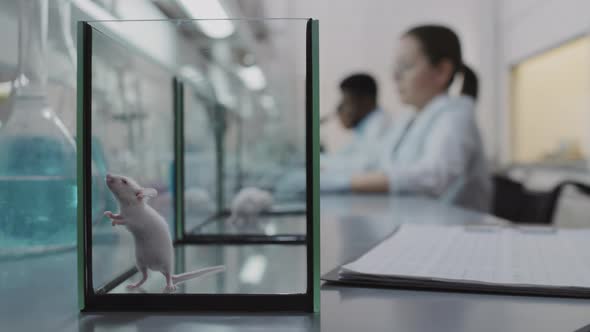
(32, 77)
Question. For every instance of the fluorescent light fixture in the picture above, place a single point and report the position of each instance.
(214, 19)
(253, 77)
(253, 269)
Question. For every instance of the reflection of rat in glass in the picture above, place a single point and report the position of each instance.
(153, 242)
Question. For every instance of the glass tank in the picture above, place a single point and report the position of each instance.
(257, 121)
(208, 150)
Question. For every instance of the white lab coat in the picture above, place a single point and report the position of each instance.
(364, 136)
(373, 139)
(441, 155)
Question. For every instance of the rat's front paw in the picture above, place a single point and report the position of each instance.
(108, 214)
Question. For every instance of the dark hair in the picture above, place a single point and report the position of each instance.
(439, 43)
(360, 85)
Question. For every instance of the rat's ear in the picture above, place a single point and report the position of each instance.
(149, 192)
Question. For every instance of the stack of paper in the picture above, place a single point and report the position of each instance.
(526, 260)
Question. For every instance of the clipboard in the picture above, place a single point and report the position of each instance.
(335, 277)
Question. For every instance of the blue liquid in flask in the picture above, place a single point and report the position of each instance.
(38, 193)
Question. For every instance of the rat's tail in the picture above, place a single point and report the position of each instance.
(178, 278)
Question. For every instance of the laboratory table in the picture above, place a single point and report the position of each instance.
(39, 294)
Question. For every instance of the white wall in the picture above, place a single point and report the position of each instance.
(361, 36)
(531, 26)
(526, 28)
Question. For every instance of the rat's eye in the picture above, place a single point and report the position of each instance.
(125, 181)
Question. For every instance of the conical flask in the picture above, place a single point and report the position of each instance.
(37, 153)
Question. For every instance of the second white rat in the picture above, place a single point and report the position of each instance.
(153, 242)
(248, 204)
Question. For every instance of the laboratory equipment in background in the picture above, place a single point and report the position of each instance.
(37, 152)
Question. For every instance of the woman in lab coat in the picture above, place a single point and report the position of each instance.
(440, 153)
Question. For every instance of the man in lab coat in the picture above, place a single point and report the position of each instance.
(358, 111)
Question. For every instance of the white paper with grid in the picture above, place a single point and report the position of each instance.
(538, 256)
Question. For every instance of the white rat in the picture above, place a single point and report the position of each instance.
(247, 205)
(153, 243)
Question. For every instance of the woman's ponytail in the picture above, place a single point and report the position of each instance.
(470, 84)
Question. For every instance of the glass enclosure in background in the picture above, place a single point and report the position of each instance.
(244, 134)
(258, 123)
